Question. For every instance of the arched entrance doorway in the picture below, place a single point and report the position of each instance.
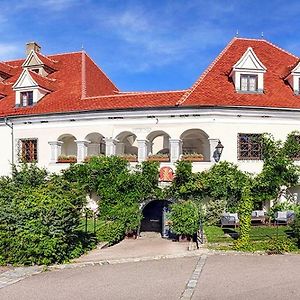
(155, 217)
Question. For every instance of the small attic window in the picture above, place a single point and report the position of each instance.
(36, 70)
(249, 83)
(26, 98)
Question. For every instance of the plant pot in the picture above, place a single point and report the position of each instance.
(131, 159)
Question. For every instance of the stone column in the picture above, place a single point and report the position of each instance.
(110, 146)
(82, 150)
(55, 151)
(212, 146)
(143, 150)
(175, 149)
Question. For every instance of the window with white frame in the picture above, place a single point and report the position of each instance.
(249, 83)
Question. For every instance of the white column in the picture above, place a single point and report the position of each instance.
(212, 145)
(143, 149)
(55, 151)
(82, 150)
(110, 146)
(175, 149)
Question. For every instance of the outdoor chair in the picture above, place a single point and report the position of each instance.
(258, 216)
(230, 219)
(284, 217)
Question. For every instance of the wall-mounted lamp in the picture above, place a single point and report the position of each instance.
(218, 151)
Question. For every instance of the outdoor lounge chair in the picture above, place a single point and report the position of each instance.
(230, 219)
(258, 216)
(284, 217)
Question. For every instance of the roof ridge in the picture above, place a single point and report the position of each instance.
(281, 49)
(202, 76)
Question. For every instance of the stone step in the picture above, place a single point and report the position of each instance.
(150, 234)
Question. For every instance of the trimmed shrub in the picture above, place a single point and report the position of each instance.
(38, 225)
(213, 211)
(184, 218)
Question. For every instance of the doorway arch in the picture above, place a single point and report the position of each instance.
(155, 216)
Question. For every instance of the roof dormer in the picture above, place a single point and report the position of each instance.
(30, 88)
(248, 73)
(293, 78)
(36, 62)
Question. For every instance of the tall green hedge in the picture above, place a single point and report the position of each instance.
(39, 221)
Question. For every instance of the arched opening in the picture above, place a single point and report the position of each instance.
(155, 217)
(127, 144)
(159, 142)
(96, 145)
(69, 146)
(196, 141)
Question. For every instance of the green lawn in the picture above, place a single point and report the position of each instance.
(216, 234)
(90, 225)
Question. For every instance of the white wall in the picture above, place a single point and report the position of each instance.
(217, 124)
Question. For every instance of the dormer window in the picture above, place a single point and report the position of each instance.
(26, 98)
(249, 83)
(248, 73)
(293, 78)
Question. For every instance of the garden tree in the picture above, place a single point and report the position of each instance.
(184, 185)
(120, 190)
(278, 169)
(39, 218)
(245, 208)
(184, 218)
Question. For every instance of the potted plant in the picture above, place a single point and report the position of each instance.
(159, 157)
(192, 157)
(130, 157)
(66, 159)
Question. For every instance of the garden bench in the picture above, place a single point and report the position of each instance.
(258, 216)
(230, 219)
(284, 217)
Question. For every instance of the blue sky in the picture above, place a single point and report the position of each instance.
(146, 45)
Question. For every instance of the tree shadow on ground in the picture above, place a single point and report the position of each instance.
(231, 232)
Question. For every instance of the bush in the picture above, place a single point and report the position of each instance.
(184, 218)
(213, 211)
(38, 225)
(280, 245)
(296, 226)
(111, 232)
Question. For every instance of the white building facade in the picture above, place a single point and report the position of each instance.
(62, 107)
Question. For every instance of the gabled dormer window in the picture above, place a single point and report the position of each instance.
(293, 79)
(248, 73)
(26, 98)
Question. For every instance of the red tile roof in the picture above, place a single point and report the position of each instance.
(78, 84)
(215, 88)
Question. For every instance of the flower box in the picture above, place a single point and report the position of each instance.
(160, 159)
(66, 159)
(193, 157)
(130, 158)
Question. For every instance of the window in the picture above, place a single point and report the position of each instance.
(26, 98)
(249, 146)
(28, 150)
(249, 83)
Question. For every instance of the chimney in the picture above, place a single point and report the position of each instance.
(32, 46)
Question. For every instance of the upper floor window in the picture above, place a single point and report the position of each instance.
(249, 83)
(249, 146)
(28, 150)
(26, 98)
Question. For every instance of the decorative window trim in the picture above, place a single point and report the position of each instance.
(253, 148)
(30, 145)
